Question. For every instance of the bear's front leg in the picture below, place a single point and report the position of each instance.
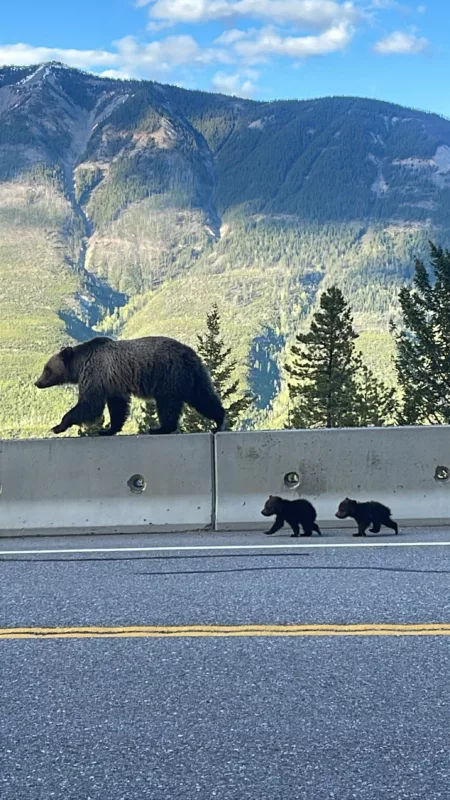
(61, 428)
(88, 410)
(64, 425)
(277, 525)
(67, 421)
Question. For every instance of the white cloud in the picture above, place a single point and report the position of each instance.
(164, 54)
(231, 36)
(25, 55)
(173, 11)
(401, 43)
(130, 58)
(269, 42)
(233, 84)
(308, 13)
(117, 74)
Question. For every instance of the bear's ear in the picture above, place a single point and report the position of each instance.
(66, 354)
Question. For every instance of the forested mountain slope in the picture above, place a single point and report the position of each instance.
(129, 207)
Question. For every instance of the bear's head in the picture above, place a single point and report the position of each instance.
(272, 506)
(346, 508)
(57, 370)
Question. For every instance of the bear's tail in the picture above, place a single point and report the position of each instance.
(203, 397)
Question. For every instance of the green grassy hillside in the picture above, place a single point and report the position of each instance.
(36, 284)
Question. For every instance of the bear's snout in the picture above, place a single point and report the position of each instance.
(39, 384)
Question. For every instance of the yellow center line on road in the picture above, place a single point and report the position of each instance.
(177, 631)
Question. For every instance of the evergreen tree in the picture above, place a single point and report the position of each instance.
(330, 386)
(423, 346)
(323, 390)
(376, 402)
(221, 367)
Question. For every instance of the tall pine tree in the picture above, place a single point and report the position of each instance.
(423, 345)
(322, 387)
(329, 385)
(217, 358)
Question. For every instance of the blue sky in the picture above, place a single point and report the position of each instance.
(394, 50)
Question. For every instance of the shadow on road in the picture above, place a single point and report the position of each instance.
(4, 560)
(299, 567)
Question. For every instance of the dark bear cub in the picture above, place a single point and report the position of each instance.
(365, 514)
(109, 373)
(294, 512)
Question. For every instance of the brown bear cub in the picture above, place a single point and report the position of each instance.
(109, 372)
(294, 512)
(365, 514)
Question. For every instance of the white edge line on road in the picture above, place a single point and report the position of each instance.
(171, 548)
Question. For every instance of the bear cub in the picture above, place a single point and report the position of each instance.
(294, 512)
(365, 514)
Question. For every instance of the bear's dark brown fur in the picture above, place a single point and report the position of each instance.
(365, 514)
(109, 372)
(294, 512)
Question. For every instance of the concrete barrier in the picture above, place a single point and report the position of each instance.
(396, 466)
(95, 484)
(169, 483)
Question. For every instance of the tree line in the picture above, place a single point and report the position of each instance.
(331, 387)
(329, 384)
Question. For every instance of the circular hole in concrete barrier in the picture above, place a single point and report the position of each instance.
(291, 479)
(136, 484)
(442, 474)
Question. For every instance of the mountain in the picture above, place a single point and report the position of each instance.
(128, 207)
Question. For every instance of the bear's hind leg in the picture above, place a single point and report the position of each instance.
(169, 411)
(209, 406)
(389, 523)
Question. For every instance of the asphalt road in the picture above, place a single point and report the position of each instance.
(251, 717)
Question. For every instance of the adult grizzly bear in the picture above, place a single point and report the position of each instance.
(110, 372)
